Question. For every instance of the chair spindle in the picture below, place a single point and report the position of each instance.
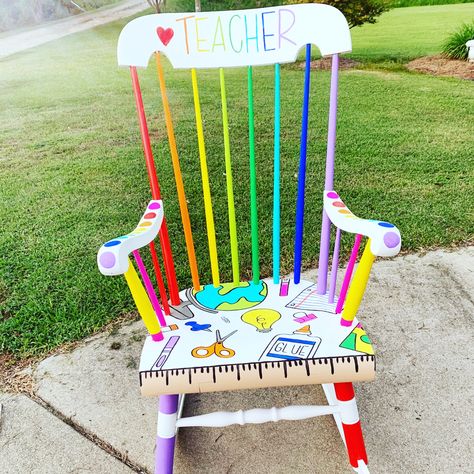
(329, 181)
(348, 274)
(211, 231)
(253, 182)
(159, 279)
(335, 262)
(155, 190)
(276, 180)
(143, 303)
(358, 285)
(183, 206)
(234, 247)
(149, 288)
(302, 170)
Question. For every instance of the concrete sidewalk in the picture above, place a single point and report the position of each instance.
(16, 42)
(417, 416)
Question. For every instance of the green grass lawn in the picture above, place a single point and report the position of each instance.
(406, 33)
(72, 173)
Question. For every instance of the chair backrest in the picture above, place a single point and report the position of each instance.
(246, 38)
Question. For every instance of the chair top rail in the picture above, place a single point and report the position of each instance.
(261, 36)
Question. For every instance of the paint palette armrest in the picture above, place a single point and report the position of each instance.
(112, 258)
(385, 237)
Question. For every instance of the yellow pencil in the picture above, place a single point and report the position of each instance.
(141, 299)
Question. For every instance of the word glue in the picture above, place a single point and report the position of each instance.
(299, 345)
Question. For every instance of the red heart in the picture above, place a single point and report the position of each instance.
(165, 35)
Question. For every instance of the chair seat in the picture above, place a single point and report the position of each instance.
(254, 335)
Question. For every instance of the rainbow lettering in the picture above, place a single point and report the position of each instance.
(240, 33)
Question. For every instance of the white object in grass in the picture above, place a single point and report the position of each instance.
(470, 50)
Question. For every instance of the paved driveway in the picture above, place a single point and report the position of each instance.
(17, 42)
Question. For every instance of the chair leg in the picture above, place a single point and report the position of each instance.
(330, 393)
(166, 434)
(351, 426)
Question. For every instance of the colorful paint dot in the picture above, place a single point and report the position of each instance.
(112, 243)
(150, 215)
(391, 239)
(344, 211)
(332, 195)
(338, 204)
(107, 259)
(386, 224)
(154, 205)
(145, 224)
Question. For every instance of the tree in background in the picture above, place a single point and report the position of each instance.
(212, 5)
(158, 5)
(356, 12)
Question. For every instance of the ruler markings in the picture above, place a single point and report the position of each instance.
(170, 377)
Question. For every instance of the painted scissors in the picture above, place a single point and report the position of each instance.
(217, 348)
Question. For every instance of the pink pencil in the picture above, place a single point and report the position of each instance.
(348, 274)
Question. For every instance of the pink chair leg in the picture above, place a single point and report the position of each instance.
(166, 435)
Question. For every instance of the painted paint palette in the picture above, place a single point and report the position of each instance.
(230, 338)
(112, 258)
(385, 237)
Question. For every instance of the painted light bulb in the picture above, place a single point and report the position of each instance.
(262, 319)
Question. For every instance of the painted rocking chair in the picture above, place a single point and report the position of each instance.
(264, 332)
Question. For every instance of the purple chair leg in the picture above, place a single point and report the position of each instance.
(166, 435)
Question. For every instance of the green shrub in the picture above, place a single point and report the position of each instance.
(455, 45)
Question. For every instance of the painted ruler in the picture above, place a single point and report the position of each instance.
(258, 375)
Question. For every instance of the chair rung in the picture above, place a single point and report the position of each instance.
(257, 415)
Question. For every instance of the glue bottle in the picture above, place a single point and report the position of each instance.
(299, 345)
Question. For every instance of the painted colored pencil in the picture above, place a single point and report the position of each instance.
(183, 206)
(302, 170)
(276, 180)
(155, 189)
(159, 279)
(358, 285)
(324, 241)
(211, 232)
(142, 302)
(253, 182)
(234, 247)
(335, 263)
(348, 274)
(149, 288)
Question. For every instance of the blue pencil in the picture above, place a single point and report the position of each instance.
(302, 170)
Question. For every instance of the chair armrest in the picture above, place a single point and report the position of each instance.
(112, 257)
(384, 237)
